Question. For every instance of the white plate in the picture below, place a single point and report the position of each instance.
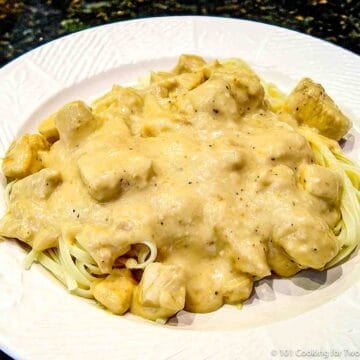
(311, 312)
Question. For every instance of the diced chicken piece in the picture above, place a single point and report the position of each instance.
(119, 101)
(75, 123)
(306, 238)
(214, 282)
(156, 119)
(39, 185)
(115, 292)
(228, 94)
(290, 148)
(250, 256)
(237, 289)
(163, 286)
(16, 228)
(310, 104)
(46, 237)
(48, 129)
(187, 82)
(33, 228)
(213, 97)
(106, 175)
(203, 293)
(321, 182)
(22, 157)
(160, 76)
(244, 86)
(176, 84)
(189, 64)
(104, 244)
(161, 292)
(280, 262)
(27, 219)
(247, 251)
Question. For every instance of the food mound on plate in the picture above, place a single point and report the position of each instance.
(181, 192)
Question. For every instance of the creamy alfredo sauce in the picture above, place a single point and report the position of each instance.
(197, 163)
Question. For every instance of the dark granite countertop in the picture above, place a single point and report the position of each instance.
(27, 24)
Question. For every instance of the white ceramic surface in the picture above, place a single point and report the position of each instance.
(310, 312)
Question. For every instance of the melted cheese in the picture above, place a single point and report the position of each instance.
(196, 163)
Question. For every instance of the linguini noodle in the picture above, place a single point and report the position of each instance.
(76, 269)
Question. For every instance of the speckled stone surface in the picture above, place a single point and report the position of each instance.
(27, 24)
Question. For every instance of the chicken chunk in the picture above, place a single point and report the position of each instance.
(310, 105)
(213, 282)
(39, 185)
(16, 227)
(247, 250)
(203, 292)
(30, 226)
(118, 102)
(74, 123)
(103, 244)
(106, 175)
(156, 119)
(23, 156)
(244, 86)
(237, 288)
(40, 235)
(290, 148)
(228, 94)
(321, 182)
(27, 218)
(115, 292)
(48, 129)
(212, 97)
(280, 262)
(161, 292)
(176, 84)
(189, 64)
(306, 238)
